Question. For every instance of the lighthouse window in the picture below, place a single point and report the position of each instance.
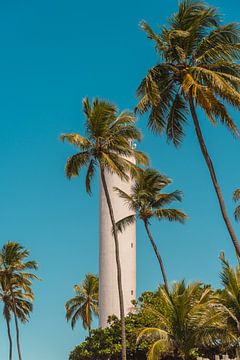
(131, 292)
(131, 245)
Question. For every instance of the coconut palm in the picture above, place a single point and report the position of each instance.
(185, 319)
(198, 69)
(148, 202)
(14, 268)
(230, 297)
(107, 146)
(236, 198)
(85, 302)
(23, 307)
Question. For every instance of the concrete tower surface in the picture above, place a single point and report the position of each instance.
(108, 292)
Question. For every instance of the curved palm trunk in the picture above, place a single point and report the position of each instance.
(213, 176)
(119, 272)
(16, 324)
(9, 338)
(157, 253)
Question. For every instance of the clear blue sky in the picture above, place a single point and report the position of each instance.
(53, 53)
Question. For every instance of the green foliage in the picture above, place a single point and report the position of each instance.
(184, 322)
(230, 297)
(106, 343)
(199, 58)
(184, 319)
(107, 143)
(85, 302)
(148, 200)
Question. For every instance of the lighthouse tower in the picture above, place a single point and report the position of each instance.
(108, 292)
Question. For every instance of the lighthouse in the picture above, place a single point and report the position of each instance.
(108, 287)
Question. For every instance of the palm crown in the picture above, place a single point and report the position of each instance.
(107, 142)
(198, 58)
(185, 319)
(198, 68)
(23, 302)
(17, 280)
(85, 303)
(148, 201)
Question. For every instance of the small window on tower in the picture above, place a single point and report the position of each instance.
(131, 245)
(131, 292)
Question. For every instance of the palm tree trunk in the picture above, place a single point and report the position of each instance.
(213, 176)
(157, 253)
(10, 339)
(16, 324)
(119, 272)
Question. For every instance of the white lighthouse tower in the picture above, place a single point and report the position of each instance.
(108, 292)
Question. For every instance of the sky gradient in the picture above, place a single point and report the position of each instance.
(53, 54)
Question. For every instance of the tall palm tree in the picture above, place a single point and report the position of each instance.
(85, 302)
(236, 198)
(107, 146)
(198, 69)
(23, 307)
(148, 202)
(185, 319)
(14, 268)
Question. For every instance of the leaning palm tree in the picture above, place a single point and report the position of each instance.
(107, 146)
(236, 198)
(148, 202)
(14, 268)
(186, 319)
(85, 302)
(23, 307)
(198, 69)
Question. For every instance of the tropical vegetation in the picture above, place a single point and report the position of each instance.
(107, 147)
(197, 68)
(16, 292)
(147, 201)
(198, 73)
(183, 322)
(84, 305)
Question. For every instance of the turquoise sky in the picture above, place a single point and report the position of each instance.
(53, 53)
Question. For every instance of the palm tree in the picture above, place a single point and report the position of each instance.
(230, 297)
(185, 320)
(107, 145)
(14, 268)
(85, 303)
(148, 202)
(236, 198)
(197, 69)
(23, 307)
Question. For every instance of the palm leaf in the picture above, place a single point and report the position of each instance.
(125, 222)
(75, 163)
(170, 214)
(176, 120)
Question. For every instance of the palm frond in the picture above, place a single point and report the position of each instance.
(75, 163)
(170, 214)
(176, 120)
(90, 175)
(125, 222)
(77, 140)
(237, 213)
(236, 195)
